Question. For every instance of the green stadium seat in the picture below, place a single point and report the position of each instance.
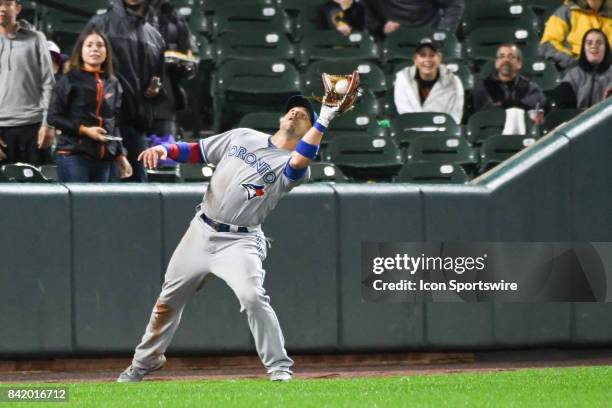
(267, 122)
(398, 47)
(543, 9)
(90, 6)
(254, 45)
(442, 149)
(239, 88)
(558, 117)
(408, 126)
(22, 173)
(372, 130)
(497, 148)
(482, 43)
(331, 45)
(164, 175)
(49, 171)
(388, 104)
(365, 157)
(483, 124)
(189, 172)
(250, 18)
(194, 15)
(432, 173)
(326, 172)
(370, 74)
(461, 70)
(211, 6)
(485, 13)
(486, 123)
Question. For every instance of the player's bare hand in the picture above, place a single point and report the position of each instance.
(125, 168)
(2, 147)
(152, 155)
(96, 133)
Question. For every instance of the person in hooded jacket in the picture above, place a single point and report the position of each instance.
(428, 86)
(138, 58)
(179, 65)
(565, 29)
(26, 83)
(85, 108)
(590, 81)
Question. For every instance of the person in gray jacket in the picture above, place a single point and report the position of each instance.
(428, 86)
(26, 84)
(591, 80)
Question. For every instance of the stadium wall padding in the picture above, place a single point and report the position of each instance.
(81, 265)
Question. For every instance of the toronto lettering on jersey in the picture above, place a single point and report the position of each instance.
(251, 159)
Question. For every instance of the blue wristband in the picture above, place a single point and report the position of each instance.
(307, 150)
(294, 174)
(319, 127)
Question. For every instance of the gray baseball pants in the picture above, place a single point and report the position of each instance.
(237, 259)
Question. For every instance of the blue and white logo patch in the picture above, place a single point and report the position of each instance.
(254, 190)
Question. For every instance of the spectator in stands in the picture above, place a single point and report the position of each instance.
(26, 83)
(345, 16)
(382, 17)
(428, 86)
(179, 64)
(505, 88)
(591, 80)
(57, 60)
(562, 38)
(86, 107)
(138, 60)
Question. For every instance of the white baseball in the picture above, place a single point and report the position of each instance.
(341, 87)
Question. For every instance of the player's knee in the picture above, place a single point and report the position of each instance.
(252, 299)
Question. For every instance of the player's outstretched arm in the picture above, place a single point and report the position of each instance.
(181, 152)
(308, 147)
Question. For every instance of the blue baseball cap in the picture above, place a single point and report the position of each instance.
(300, 100)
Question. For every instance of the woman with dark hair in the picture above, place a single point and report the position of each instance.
(591, 80)
(85, 107)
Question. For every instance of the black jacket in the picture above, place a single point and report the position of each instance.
(491, 93)
(177, 36)
(138, 52)
(436, 14)
(87, 99)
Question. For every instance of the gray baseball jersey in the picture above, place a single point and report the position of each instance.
(248, 181)
(249, 176)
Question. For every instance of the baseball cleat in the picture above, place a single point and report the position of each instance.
(280, 375)
(134, 374)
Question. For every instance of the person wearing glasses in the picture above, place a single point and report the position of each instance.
(506, 88)
(590, 81)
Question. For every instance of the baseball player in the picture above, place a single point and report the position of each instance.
(253, 171)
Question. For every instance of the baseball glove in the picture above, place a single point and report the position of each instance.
(341, 90)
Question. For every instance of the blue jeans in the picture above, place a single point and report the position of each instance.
(77, 169)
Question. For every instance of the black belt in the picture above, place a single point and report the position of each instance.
(221, 227)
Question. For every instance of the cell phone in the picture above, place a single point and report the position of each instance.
(156, 82)
(113, 138)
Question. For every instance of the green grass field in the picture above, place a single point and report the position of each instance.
(559, 387)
